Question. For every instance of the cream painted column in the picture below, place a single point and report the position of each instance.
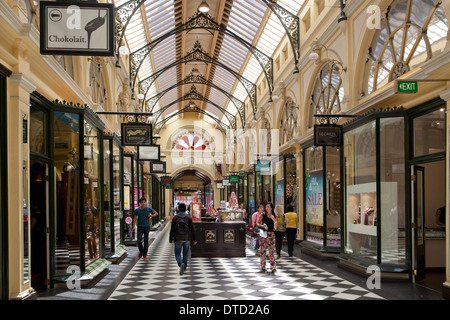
(19, 89)
(446, 285)
(299, 163)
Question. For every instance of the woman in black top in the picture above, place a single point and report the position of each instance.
(268, 222)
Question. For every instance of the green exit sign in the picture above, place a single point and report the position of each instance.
(405, 86)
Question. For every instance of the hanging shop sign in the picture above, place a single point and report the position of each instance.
(262, 166)
(77, 28)
(150, 153)
(234, 179)
(136, 134)
(219, 185)
(157, 167)
(328, 135)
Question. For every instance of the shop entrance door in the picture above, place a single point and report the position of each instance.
(39, 225)
(418, 216)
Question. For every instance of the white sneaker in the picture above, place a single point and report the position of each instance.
(182, 269)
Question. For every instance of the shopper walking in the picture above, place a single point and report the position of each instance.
(280, 231)
(142, 216)
(291, 228)
(181, 233)
(255, 235)
(268, 222)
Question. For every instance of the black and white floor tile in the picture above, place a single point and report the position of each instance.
(158, 278)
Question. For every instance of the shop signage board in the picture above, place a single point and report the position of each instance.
(406, 86)
(136, 134)
(234, 179)
(150, 153)
(157, 167)
(328, 135)
(262, 166)
(77, 28)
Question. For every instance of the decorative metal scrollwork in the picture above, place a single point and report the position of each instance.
(197, 54)
(291, 24)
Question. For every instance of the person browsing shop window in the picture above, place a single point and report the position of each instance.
(269, 223)
(142, 216)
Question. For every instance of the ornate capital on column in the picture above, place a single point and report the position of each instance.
(22, 81)
(445, 95)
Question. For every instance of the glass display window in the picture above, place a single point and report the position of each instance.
(92, 196)
(67, 240)
(128, 197)
(361, 190)
(314, 195)
(117, 186)
(108, 208)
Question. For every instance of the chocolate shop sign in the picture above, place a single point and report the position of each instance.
(77, 28)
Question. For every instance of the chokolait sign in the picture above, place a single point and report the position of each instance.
(329, 135)
(77, 28)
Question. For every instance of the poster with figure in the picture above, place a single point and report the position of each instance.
(279, 193)
(314, 199)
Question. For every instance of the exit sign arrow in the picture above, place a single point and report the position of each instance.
(405, 86)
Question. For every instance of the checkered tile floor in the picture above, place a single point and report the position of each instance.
(157, 278)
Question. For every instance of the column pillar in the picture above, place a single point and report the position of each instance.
(299, 164)
(19, 89)
(446, 285)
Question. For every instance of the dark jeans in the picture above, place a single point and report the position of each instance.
(290, 235)
(279, 241)
(182, 246)
(143, 231)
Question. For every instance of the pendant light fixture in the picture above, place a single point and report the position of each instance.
(203, 7)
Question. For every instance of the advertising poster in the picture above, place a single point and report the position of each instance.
(314, 199)
(279, 193)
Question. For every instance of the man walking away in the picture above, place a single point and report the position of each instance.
(142, 216)
(181, 232)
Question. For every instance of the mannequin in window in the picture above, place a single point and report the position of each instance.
(440, 216)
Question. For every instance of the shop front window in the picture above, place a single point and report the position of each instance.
(67, 171)
(429, 133)
(392, 166)
(314, 195)
(361, 197)
(91, 193)
(291, 183)
(333, 196)
(25, 202)
(117, 193)
(251, 194)
(128, 197)
(107, 193)
(279, 188)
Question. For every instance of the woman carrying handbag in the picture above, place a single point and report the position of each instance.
(268, 223)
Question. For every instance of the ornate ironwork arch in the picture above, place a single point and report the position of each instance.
(192, 95)
(199, 55)
(160, 125)
(194, 79)
(201, 21)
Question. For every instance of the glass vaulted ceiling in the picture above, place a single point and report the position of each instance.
(251, 20)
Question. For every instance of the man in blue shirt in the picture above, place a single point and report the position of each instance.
(142, 216)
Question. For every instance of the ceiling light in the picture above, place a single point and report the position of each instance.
(123, 50)
(195, 71)
(203, 7)
(314, 56)
(141, 96)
